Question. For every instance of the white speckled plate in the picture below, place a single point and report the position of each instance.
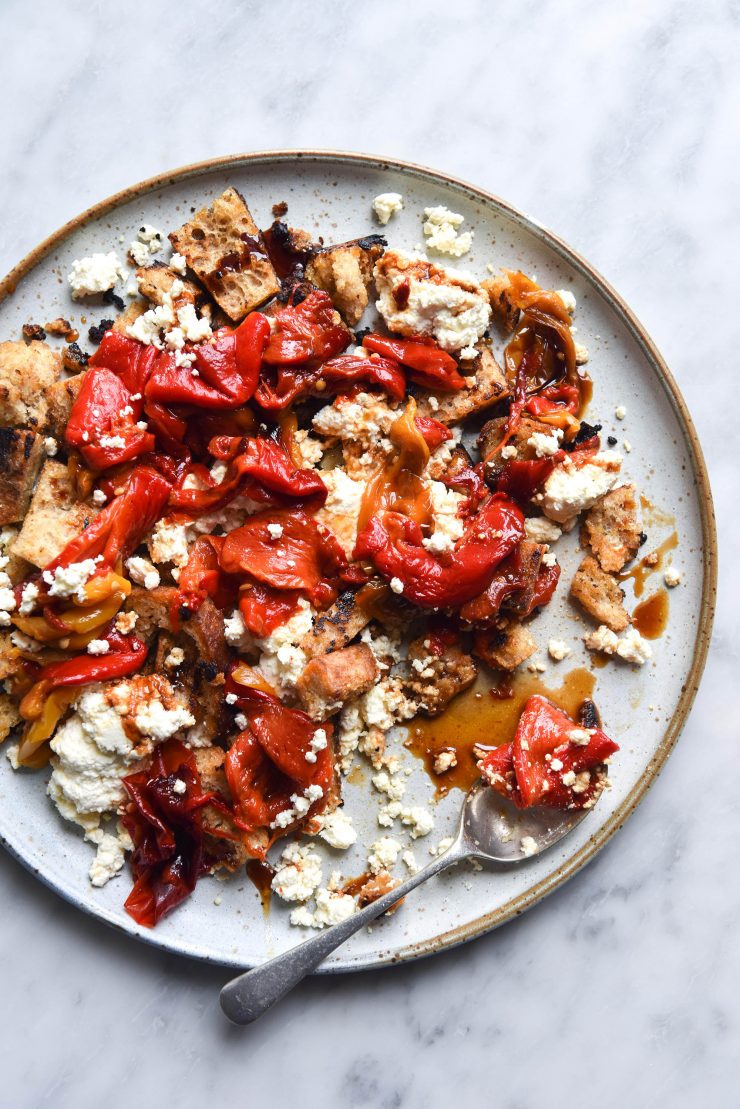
(643, 709)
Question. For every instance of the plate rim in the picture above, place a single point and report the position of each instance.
(488, 921)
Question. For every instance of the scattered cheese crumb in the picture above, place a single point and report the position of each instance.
(386, 205)
(672, 577)
(558, 649)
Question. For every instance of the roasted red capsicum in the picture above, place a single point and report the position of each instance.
(427, 364)
(306, 332)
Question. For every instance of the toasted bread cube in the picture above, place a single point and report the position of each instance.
(54, 517)
(600, 595)
(225, 249)
(21, 456)
(486, 387)
(337, 627)
(9, 716)
(506, 646)
(26, 372)
(61, 397)
(612, 528)
(155, 282)
(326, 683)
(345, 272)
(436, 679)
(505, 311)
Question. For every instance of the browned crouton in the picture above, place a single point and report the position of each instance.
(225, 249)
(612, 528)
(234, 848)
(129, 316)
(10, 661)
(21, 456)
(487, 386)
(326, 683)
(74, 358)
(336, 627)
(54, 517)
(599, 594)
(156, 281)
(499, 294)
(9, 716)
(505, 646)
(26, 372)
(345, 272)
(435, 679)
(60, 398)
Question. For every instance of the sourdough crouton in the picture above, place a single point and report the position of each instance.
(612, 528)
(127, 318)
(505, 312)
(54, 517)
(9, 716)
(505, 646)
(326, 683)
(336, 627)
(599, 594)
(26, 372)
(225, 249)
(10, 661)
(21, 456)
(155, 282)
(345, 272)
(486, 386)
(60, 398)
(229, 853)
(436, 679)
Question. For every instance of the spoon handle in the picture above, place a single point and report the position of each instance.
(247, 997)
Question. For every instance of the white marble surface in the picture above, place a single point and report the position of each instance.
(617, 126)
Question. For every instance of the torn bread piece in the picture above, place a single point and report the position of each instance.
(613, 529)
(485, 386)
(328, 682)
(345, 272)
(22, 454)
(27, 370)
(55, 516)
(224, 247)
(600, 595)
(505, 646)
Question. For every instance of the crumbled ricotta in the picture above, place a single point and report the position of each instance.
(175, 658)
(672, 578)
(340, 512)
(571, 488)
(448, 526)
(444, 761)
(300, 803)
(98, 647)
(70, 581)
(331, 908)
(541, 530)
(29, 596)
(558, 649)
(620, 412)
(337, 829)
(275, 530)
(529, 846)
(168, 542)
(298, 875)
(448, 305)
(603, 639)
(365, 419)
(236, 632)
(545, 444)
(568, 299)
(110, 856)
(153, 719)
(51, 446)
(441, 233)
(143, 572)
(178, 263)
(149, 242)
(282, 661)
(383, 854)
(386, 205)
(631, 646)
(396, 585)
(319, 742)
(94, 274)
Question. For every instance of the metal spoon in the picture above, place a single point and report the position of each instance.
(491, 829)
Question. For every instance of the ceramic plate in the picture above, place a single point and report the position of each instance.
(643, 709)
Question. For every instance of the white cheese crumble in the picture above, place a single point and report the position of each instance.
(451, 307)
(51, 446)
(29, 596)
(281, 660)
(143, 572)
(448, 526)
(332, 907)
(298, 875)
(672, 577)
(70, 581)
(175, 658)
(168, 542)
(568, 299)
(386, 205)
(545, 444)
(529, 846)
(558, 649)
(149, 242)
(110, 855)
(98, 647)
(396, 585)
(153, 719)
(337, 829)
(300, 804)
(275, 530)
(541, 530)
(94, 274)
(383, 854)
(319, 742)
(631, 646)
(178, 263)
(340, 512)
(620, 412)
(441, 233)
(571, 488)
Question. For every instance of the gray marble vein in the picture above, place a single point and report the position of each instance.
(616, 125)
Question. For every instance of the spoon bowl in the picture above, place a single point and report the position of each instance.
(492, 828)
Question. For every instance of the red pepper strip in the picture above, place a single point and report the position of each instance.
(544, 729)
(130, 360)
(554, 398)
(433, 431)
(169, 429)
(167, 831)
(120, 527)
(263, 609)
(285, 384)
(273, 477)
(228, 368)
(428, 365)
(103, 411)
(200, 576)
(306, 332)
(394, 545)
(306, 556)
(267, 763)
(520, 478)
(349, 369)
(126, 655)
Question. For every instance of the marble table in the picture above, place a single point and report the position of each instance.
(617, 126)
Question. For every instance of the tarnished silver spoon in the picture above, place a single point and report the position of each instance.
(491, 829)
